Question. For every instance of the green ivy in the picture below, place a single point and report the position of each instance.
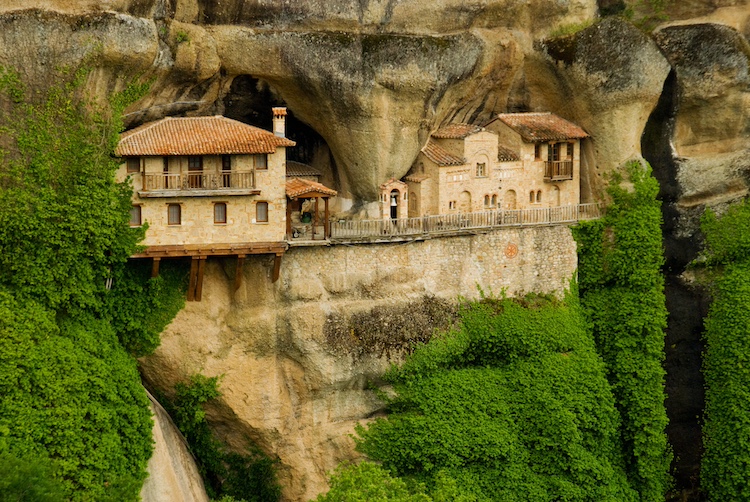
(622, 292)
(249, 477)
(725, 468)
(512, 406)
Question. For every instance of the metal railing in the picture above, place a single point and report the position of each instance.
(558, 170)
(461, 222)
(199, 181)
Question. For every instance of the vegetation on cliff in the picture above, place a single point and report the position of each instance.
(70, 393)
(726, 432)
(622, 294)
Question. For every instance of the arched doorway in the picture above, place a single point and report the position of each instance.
(509, 200)
(394, 204)
(464, 202)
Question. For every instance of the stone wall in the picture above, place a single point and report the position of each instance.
(283, 385)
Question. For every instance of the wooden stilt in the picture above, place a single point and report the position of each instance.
(276, 267)
(155, 267)
(193, 279)
(326, 222)
(238, 272)
(199, 282)
(315, 218)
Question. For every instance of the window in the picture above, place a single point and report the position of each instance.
(486, 201)
(452, 205)
(134, 164)
(481, 170)
(537, 151)
(195, 163)
(531, 196)
(220, 213)
(261, 212)
(226, 171)
(135, 216)
(494, 201)
(570, 151)
(538, 196)
(554, 152)
(261, 161)
(174, 214)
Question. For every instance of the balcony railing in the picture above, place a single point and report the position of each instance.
(555, 170)
(229, 180)
(459, 223)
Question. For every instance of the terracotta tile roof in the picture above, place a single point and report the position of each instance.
(456, 131)
(505, 154)
(536, 127)
(294, 169)
(297, 187)
(440, 155)
(416, 178)
(197, 136)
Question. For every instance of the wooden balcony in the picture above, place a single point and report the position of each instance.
(558, 170)
(196, 184)
(458, 223)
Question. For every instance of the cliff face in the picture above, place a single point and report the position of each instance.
(365, 82)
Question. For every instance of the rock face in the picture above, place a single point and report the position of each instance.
(172, 473)
(294, 390)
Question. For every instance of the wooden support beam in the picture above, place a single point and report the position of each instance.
(155, 267)
(238, 272)
(276, 267)
(193, 279)
(326, 222)
(315, 218)
(199, 282)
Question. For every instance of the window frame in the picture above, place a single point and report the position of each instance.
(136, 209)
(217, 205)
(260, 166)
(191, 160)
(481, 171)
(170, 221)
(258, 205)
(130, 162)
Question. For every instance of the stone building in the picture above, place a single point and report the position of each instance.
(518, 161)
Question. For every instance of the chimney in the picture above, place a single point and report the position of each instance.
(279, 121)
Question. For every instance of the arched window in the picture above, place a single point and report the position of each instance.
(486, 201)
(494, 200)
(531, 196)
(538, 196)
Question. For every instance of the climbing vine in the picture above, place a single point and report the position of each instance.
(70, 395)
(621, 289)
(725, 468)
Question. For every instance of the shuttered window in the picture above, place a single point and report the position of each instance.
(220, 213)
(261, 212)
(135, 216)
(174, 214)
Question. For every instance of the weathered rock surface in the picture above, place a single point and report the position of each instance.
(172, 472)
(285, 385)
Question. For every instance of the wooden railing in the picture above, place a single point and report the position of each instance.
(460, 222)
(199, 181)
(558, 170)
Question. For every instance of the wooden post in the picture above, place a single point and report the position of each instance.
(238, 271)
(155, 267)
(315, 218)
(193, 279)
(276, 267)
(199, 282)
(326, 223)
(288, 220)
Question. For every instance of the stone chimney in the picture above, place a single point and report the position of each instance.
(279, 121)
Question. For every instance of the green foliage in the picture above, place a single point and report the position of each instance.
(570, 29)
(244, 477)
(368, 482)
(28, 479)
(622, 294)
(68, 390)
(726, 432)
(513, 406)
(141, 306)
(182, 37)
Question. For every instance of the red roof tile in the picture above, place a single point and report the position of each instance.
(416, 178)
(294, 169)
(297, 187)
(505, 154)
(215, 135)
(440, 155)
(536, 127)
(456, 131)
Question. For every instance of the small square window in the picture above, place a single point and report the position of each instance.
(135, 216)
(195, 163)
(261, 162)
(174, 214)
(261, 212)
(133, 164)
(220, 213)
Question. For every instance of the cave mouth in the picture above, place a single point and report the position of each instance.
(249, 100)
